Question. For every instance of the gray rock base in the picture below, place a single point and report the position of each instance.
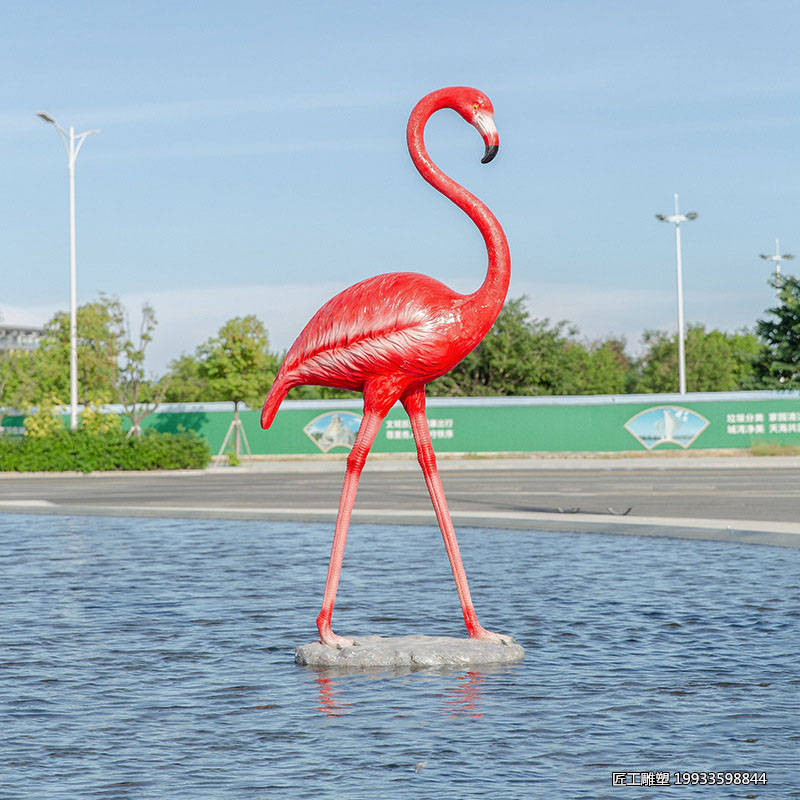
(413, 652)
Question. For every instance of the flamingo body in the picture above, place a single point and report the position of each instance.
(403, 325)
(389, 335)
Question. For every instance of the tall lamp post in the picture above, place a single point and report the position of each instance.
(72, 143)
(677, 218)
(777, 258)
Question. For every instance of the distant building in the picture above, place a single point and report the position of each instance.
(20, 337)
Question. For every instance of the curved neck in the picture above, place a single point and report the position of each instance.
(494, 288)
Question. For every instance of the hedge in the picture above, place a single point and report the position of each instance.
(86, 452)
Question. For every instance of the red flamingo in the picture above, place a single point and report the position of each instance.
(389, 335)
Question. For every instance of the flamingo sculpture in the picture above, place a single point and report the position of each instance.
(390, 335)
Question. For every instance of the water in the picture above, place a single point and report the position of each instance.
(148, 658)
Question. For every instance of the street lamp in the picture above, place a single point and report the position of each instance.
(677, 218)
(72, 143)
(777, 258)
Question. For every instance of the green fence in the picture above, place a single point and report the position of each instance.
(508, 425)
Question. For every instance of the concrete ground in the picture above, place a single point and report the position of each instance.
(729, 497)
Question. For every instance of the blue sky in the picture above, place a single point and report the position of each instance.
(252, 158)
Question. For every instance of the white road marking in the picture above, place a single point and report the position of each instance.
(27, 503)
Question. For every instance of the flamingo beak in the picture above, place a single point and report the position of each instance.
(487, 129)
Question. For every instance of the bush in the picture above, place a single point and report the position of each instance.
(767, 448)
(83, 451)
(96, 421)
(47, 421)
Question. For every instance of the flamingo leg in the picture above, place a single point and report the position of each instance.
(367, 431)
(414, 403)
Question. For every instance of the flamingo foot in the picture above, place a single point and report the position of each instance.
(479, 632)
(329, 638)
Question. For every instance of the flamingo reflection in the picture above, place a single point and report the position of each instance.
(328, 698)
(464, 700)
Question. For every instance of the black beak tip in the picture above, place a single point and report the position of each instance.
(491, 152)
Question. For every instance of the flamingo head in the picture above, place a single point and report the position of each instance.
(476, 108)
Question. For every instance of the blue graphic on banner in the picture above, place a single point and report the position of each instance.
(333, 429)
(666, 425)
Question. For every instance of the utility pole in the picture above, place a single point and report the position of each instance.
(777, 258)
(677, 218)
(72, 143)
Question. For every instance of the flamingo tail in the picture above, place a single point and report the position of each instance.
(274, 399)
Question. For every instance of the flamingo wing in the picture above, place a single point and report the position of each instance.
(391, 323)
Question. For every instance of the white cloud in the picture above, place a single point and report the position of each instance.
(186, 318)
(629, 312)
(35, 315)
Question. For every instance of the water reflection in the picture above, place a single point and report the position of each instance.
(328, 702)
(154, 658)
(459, 694)
(464, 700)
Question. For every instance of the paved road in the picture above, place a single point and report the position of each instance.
(716, 499)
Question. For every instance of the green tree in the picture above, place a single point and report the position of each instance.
(715, 361)
(100, 327)
(29, 378)
(183, 382)
(522, 355)
(513, 358)
(237, 365)
(139, 396)
(195, 377)
(110, 362)
(17, 379)
(601, 367)
(776, 365)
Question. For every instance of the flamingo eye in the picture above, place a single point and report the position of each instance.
(474, 106)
